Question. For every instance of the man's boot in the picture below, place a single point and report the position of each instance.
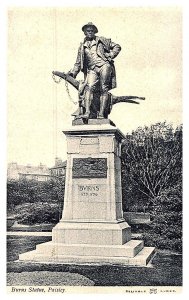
(88, 101)
(103, 106)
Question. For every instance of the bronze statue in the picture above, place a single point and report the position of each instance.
(95, 60)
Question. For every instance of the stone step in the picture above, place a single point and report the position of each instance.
(129, 249)
(144, 256)
(141, 259)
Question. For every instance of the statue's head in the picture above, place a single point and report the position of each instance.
(89, 30)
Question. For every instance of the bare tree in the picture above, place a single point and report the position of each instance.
(152, 159)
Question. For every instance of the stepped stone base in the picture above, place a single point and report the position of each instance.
(131, 253)
(91, 242)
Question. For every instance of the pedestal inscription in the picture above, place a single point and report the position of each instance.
(89, 167)
(92, 193)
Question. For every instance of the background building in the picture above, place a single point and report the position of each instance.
(19, 172)
(38, 173)
(59, 169)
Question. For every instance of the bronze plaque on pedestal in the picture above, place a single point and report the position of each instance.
(89, 167)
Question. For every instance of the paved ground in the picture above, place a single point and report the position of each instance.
(47, 233)
(24, 233)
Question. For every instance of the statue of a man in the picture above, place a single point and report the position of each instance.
(95, 60)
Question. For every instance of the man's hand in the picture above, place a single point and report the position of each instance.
(70, 73)
(108, 56)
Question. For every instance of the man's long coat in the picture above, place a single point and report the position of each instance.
(106, 49)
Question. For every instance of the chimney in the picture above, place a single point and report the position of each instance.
(58, 161)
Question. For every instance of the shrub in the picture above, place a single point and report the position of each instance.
(35, 202)
(19, 192)
(39, 212)
(162, 242)
(165, 229)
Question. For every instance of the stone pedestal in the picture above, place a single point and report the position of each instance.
(92, 228)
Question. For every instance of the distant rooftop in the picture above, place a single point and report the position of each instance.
(59, 163)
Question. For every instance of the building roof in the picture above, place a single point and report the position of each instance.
(14, 169)
(60, 164)
(33, 170)
(36, 174)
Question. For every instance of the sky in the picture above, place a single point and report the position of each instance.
(41, 40)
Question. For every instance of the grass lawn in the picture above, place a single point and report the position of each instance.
(165, 269)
